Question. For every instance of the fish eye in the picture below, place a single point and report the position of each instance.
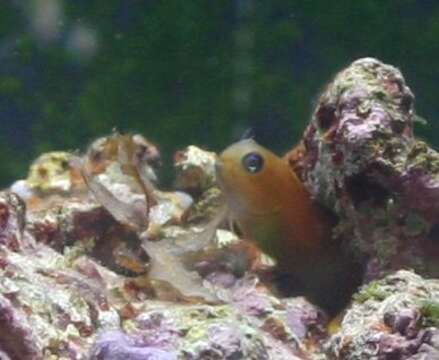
(253, 162)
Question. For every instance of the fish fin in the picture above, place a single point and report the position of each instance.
(249, 133)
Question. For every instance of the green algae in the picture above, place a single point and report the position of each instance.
(430, 311)
(373, 291)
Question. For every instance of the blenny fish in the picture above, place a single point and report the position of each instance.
(273, 209)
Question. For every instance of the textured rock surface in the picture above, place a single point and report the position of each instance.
(12, 221)
(195, 169)
(206, 332)
(359, 157)
(59, 306)
(87, 277)
(391, 319)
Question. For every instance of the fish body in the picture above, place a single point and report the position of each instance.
(273, 209)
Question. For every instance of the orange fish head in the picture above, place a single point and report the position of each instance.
(251, 178)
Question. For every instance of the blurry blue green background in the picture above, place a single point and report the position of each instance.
(193, 72)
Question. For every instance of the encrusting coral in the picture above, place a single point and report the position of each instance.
(97, 263)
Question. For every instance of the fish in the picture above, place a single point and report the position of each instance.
(273, 209)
